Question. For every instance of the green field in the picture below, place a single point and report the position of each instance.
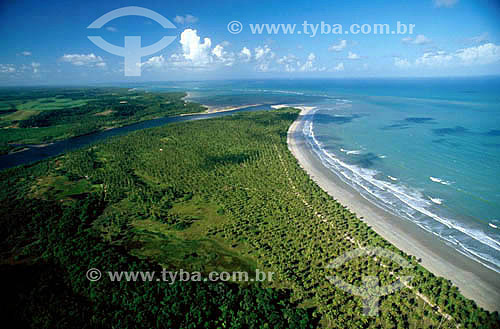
(42, 115)
(51, 103)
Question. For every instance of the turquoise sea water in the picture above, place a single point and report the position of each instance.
(427, 150)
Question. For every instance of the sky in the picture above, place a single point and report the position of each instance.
(46, 42)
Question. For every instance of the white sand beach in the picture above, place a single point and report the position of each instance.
(215, 109)
(474, 280)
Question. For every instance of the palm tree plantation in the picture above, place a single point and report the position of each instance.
(223, 194)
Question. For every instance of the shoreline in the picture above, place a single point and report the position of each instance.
(474, 280)
(215, 109)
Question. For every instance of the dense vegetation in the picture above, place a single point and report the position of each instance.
(33, 116)
(219, 194)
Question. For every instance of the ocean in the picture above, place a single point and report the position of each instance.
(427, 150)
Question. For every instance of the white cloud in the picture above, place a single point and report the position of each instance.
(445, 3)
(188, 19)
(111, 29)
(287, 59)
(264, 56)
(289, 63)
(483, 37)
(7, 68)
(263, 53)
(438, 58)
(199, 55)
(155, 61)
(227, 58)
(352, 55)
(339, 67)
(309, 66)
(338, 47)
(419, 40)
(402, 63)
(262, 67)
(487, 53)
(26, 53)
(35, 66)
(194, 51)
(245, 54)
(218, 51)
(483, 54)
(89, 60)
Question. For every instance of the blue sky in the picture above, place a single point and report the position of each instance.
(45, 42)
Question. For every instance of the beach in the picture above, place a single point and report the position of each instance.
(215, 109)
(474, 280)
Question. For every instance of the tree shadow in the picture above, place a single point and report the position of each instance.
(212, 161)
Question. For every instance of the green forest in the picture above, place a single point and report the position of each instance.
(222, 194)
(43, 115)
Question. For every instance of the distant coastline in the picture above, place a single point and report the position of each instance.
(215, 109)
(473, 279)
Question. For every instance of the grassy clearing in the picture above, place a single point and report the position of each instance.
(59, 188)
(35, 136)
(9, 105)
(51, 103)
(18, 115)
(189, 248)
